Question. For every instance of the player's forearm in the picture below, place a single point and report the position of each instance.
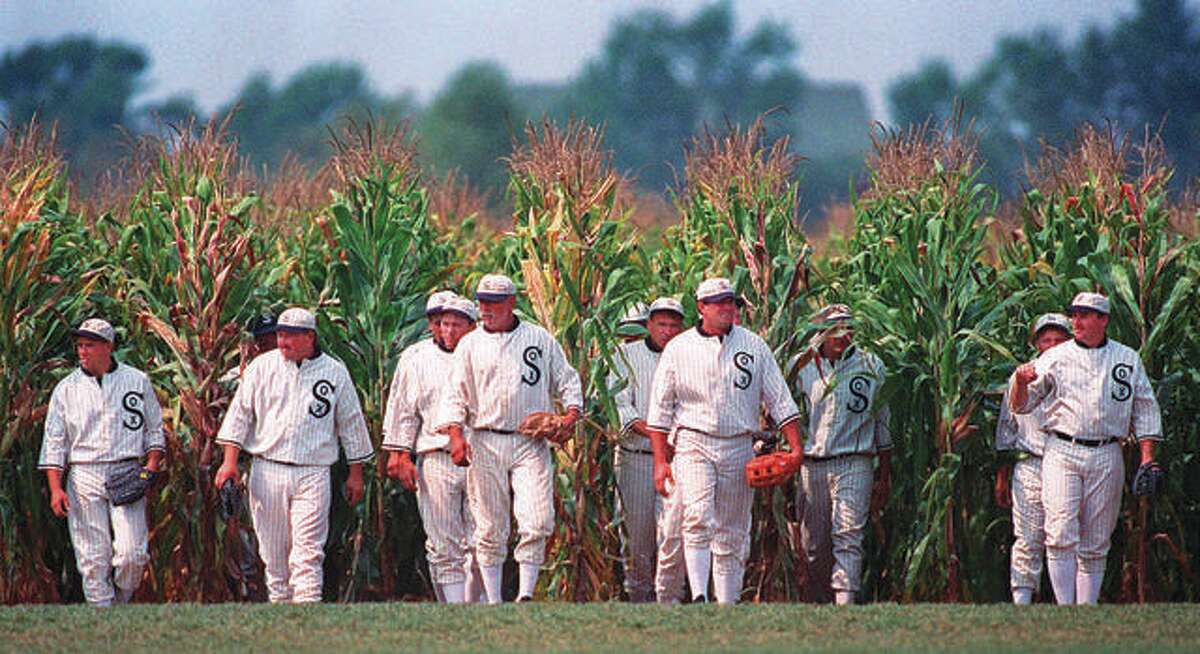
(54, 479)
(1018, 396)
(791, 431)
(356, 470)
(1147, 448)
(885, 463)
(658, 443)
(154, 460)
(231, 452)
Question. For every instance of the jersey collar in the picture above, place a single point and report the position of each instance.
(99, 379)
(516, 323)
(1098, 346)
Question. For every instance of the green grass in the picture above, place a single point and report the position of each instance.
(553, 627)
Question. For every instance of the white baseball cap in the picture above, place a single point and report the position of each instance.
(297, 320)
(666, 304)
(833, 313)
(437, 302)
(463, 307)
(714, 289)
(1089, 302)
(494, 288)
(96, 328)
(1051, 320)
(635, 314)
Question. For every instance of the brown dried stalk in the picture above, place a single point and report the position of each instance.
(903, 161)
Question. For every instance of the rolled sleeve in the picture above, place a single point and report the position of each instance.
(351, 426)
(663, 398)
(454, 403)
(152, 437)
(239, 418)
(566, 380)
(401, 423)
(1006, 423)
(776, 395)
(1146, 418)
(627, 411)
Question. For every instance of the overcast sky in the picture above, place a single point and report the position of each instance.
(209, 47)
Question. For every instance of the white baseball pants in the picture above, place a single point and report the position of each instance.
(510, 475)
(637, 504)
(836, 498)
(289, 505)
(1028, 518)
(670, 571)
(446, 516)
(109, 541)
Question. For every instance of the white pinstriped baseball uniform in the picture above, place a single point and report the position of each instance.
(637, 502)
(711, 388)
(846, 428)
(91, 424)
(1023, 435)
(416, 390)
(670, 573)
(497, 379)
(291, 418)
(1099, 396)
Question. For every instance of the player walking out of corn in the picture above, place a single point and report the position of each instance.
(709, 385)
(408, 429)
(1093, 393)
(637, 503)
(1019, 484)
(503, 373)
(102, 419)
(847, 430)
(293, 408)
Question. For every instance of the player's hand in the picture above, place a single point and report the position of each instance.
(664, 481)
(354, 488)
(1026, 374)
(225, 473)
(1003, 490)
(796, 460)
(400, 467)
(880, 491)
(59, 503)
(460, 450)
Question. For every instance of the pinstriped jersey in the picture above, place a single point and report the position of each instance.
(498, 378)
(716, 384)
(1094, 393)
(843, 416)
(413, 400)
(297, 414)
(1019, 432)
(92, 420)
(636, 370)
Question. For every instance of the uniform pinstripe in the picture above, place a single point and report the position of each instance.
(496, 380)
(670, 570)
(845, 430)
(637, 503)
(292, 418)
(413, 401)
(90, 425)
(1091, 394)
(711, 388)
(1023, 434)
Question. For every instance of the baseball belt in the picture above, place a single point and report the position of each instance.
(1086, 442)
(631, 450)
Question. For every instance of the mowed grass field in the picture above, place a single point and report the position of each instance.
(623, 628)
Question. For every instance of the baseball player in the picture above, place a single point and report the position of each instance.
(293, 408)
(709, 385)
(847, 430)
(637, 503)
(501, 374)
(102, 416)
(1019, 484)
(1093, 392)
(441, 486)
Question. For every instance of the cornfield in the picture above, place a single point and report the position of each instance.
(186, 244)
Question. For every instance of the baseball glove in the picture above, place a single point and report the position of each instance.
(231, 500)
(546, 425)
(128, 483)
(1148, 480)
(770, 470)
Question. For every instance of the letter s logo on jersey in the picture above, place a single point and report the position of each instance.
(742, 361)
(133, 403)
(859, 386)
(321, 405)
(531, 356)
(1120, 376)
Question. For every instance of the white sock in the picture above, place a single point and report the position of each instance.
(728, 587)
(1022, 596)
(1087, 587)
(699, 563)
(528, 578)
(1062, 577)
(844, 597)
(452, 593)
(473, 590)
(492, 586)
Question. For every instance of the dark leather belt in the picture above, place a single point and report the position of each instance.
(506, 432)
(282, 463)
(819, 459)
(1084, 441)
(631, 450)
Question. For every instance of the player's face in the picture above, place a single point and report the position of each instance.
(1089, 326)
(453, 328)
(663, 326)
(435, 326)
(497, 316)
(1049, 337)
(95, 354)
(836, 342)
(296, 346)
(717, 315)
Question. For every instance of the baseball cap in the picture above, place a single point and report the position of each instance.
(635, 314)
(262, 324)
(96, 328)
(714, 289)
(494, 288)
(1089, 302)
(666, 304)
(833, 313)
(297, 320)
(437, 302)
(463, 307)
(1051, 320)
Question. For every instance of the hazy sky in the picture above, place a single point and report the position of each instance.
(209, 47)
